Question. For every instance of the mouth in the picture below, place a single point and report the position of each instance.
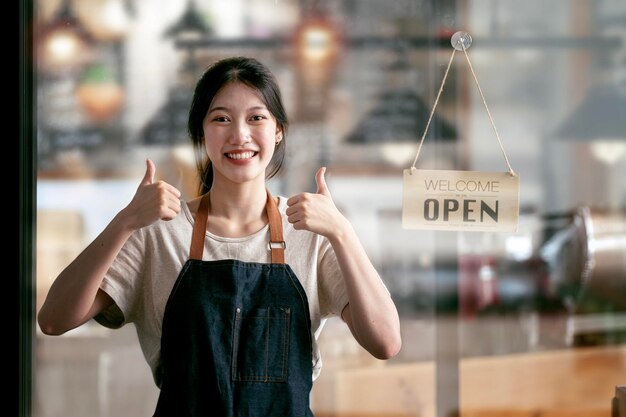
(241, 155)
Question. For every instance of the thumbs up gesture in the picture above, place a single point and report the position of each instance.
(153, 201)
(315, 212)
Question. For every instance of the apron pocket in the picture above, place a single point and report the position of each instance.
(261, 345)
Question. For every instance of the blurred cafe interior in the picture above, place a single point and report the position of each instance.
(529, 323)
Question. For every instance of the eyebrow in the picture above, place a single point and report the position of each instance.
(223, 108)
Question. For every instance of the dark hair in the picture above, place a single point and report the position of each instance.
(244, 70)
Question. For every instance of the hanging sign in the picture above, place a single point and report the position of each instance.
(460, 200)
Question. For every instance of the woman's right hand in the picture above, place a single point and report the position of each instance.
(153, 201)
(75, 296)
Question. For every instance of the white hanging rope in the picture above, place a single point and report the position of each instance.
(443, 81)
(488, 112)
(432, 112)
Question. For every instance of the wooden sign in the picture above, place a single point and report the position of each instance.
(460, 200)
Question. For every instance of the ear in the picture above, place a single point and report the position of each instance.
(279, 135)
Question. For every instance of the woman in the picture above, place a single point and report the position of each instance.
(229, 291)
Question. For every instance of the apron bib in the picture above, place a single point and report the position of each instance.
(236, 336)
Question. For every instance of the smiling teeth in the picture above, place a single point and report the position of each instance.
(241, 155)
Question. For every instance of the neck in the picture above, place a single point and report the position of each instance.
(239, 203)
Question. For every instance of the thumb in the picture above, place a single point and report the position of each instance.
(322, 188)
(148, 178)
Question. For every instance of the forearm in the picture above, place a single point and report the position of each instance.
(71, 297)
(373, 316)
(371, 313)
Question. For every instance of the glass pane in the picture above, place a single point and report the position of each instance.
(541, 323)
(530, 323)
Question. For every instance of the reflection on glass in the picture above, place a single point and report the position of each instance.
(540, 314)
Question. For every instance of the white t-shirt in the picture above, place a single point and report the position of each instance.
(144, 272)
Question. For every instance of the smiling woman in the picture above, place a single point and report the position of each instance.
(229, 291)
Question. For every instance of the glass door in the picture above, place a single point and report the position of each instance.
(530, 323)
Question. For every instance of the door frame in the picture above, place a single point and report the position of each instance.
(26, 151)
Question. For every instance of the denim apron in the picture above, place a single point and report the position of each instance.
(236, 336)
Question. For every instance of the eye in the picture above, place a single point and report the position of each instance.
(258, 117)
(221, 119)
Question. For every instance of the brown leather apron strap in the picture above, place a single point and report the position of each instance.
(199, 229)
(277, 243)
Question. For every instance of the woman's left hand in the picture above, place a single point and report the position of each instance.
(370, 313)
(316, 212)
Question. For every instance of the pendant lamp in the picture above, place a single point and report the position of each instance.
(63, 43)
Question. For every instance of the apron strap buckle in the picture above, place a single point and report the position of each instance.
(277, 245)
(278, 251)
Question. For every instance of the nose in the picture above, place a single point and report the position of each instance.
(240, 134)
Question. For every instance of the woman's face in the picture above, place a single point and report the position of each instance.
(240, 134)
